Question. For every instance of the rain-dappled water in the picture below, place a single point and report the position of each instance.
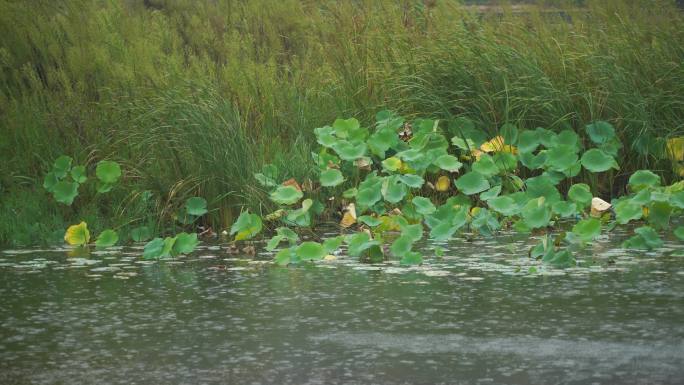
(475, 316)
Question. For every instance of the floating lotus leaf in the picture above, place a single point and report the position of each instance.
(286, 195)
(107, 238)
(401, 246)
(196, 206)
(472, 183)
(141, 234)
(485, 165)
(330, 245)
(77, 235)
(587, 229)
(646, 238)
(358, 243)
(78, 173)
(504, 204)
(596, 160)
(313, 251)
(153, 249)
(580, 194)
(536, 213)
(600, 132)
(564, 209)
(679, 233)
(560, 259)
(448, 163)
(286, 256)
(626, 211)
(185, 243)
(108, 172)
(411, 258)
(247, 226)
(65, 192)
(331, 177)
(642, 179)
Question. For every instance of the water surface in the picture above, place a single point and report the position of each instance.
(475, 316)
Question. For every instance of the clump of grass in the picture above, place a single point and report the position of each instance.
(192, 97)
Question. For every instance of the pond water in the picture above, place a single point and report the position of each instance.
(477, 315)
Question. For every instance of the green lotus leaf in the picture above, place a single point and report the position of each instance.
(392, 190)
(392, 163)
(679, 233)
(587, 229)
(560, 259)
(448, 162)
(107, 238)
(411, 258)
(350, 151)
(561, 157)
(472, 183)
(642, 179)
(247, 226)
(504, 204)
(485, 166)
(325, 137)
(370, 221)
(350, 193)
(185, 243)
(330, 245)
(401, 246)
(358, 243)
(528, 141)
(50, 181)
(196, 206)
(344, 128)
(564, 209)
(78, 174)
(509, 132)
(286, 195)
(382, 140)
(542, 186)
(424, 205)
(505, 161)
(104, 187)
(596, 160)
(411, 155)
(108, 172)
(61, 166)
(300, 217)
(567, 138)
(410, 180)
(141, 234)
(153, 249)
(167, 250)
(369, 195)
(331, 178)
(626, 211)
(265, 180)
(532, 161)
(536, 213)
(286, 256)
(659, 214)
(677, 199)
(313, 251)
(65, 192)
(645, 238)
(600, 132)
(463, 144)
(491, 193)
(580, 194)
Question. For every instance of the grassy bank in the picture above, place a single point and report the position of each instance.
(191, 98)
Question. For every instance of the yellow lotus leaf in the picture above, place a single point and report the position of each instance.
(349, 216)
(675, 147)
(496, 145)
(474, 211)
(443, 183)
(680, 170)
(77, 234)
(644, 210)
(329, 257)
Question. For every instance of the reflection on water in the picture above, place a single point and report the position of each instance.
(476, 315)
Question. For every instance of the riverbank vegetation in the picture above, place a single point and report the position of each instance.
(191, 99)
